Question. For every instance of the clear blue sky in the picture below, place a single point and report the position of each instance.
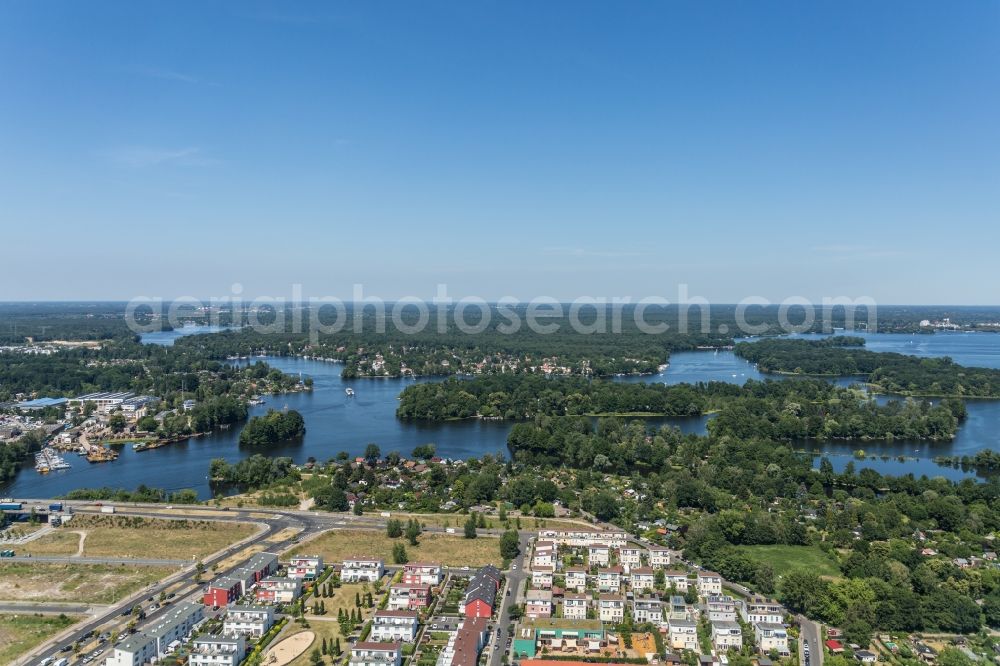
(503, 148)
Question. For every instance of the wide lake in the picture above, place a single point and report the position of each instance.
(337, 422)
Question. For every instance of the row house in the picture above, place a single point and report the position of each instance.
(217, 651)
(356, 570)
(278, 590)
(370, 653)
(222, 592)
(581, 537)
(423, 574)
(709, 583)
(464, 645)
(610, 579)
(541, 576)
(642, 579)
(253, 621)
(677, 579)
(481, 593)
(395, 625)
(647, 609)
(770, 636)
(598, 554)
(305, 567)
(726, 635)
(575, 605)
(761, 609)
(576, 578)
(257, 568)
(538, 603)
(153, 642)
(659, 557)
(720, 608)
(630, 556)
(683, 635)
(409, 596)
(611, 608)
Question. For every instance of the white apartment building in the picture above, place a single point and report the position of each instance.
(575, 606)
(305, 567)
(761, 609)
(771, 637)
(358, 569)
(370, 653)
(541, 576)
(720, 608)
(642, 578)
(598, 554)
(709, 583)
(630, 556)
(659, 557)
(217, 651)
(582, 537)
(395, 625)
(153, 641)
(576, 579)
(609, 580)
(684, 635)
(253, 621)
(726, 635)
(678, 579)
(647, 609)
(611, 608)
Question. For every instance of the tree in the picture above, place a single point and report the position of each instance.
(393, 528)
(116, 422)
(509, 545)
(412, 531)
(316, 658)
(470, 527)
(372, 453)
(399, 554)
(358, 509)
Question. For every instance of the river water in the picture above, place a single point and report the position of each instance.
(337, 422)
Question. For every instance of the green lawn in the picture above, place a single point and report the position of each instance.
(784, 559)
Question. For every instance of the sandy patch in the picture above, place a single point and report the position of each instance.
(288, 649)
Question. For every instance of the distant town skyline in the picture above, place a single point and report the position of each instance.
(518, 149)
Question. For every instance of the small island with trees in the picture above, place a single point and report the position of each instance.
(273, 428)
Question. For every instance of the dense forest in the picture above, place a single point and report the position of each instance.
(272, 428)
(754, 491)
(526, 396)
(889, 372)
(785, 410)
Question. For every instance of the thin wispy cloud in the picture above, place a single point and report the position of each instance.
(567, 251)
(140, 157)
(164, 74)
(847, 252)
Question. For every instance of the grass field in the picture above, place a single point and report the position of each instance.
(85, 583)
(20, 633)
(446, 549)
(326, 626)
(784, 559)
(136, 537)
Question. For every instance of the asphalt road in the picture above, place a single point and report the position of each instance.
(515, 583)
(810, 633)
